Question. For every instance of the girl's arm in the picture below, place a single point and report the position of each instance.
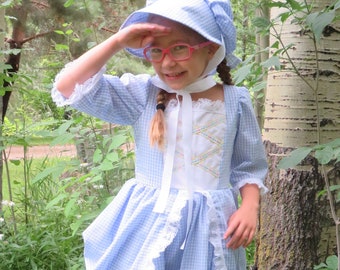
(249, 168)
(242, 224)
(134, 36)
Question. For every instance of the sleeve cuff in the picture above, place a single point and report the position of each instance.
(80, 90)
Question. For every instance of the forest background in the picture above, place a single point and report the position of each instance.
(291, 66)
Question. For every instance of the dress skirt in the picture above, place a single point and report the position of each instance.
(129, 235)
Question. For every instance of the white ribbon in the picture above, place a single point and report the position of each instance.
(198, 86)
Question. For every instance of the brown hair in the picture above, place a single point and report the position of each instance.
(158, 128)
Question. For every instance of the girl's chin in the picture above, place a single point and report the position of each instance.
(176, 85)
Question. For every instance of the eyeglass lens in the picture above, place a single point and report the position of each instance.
(177, 52)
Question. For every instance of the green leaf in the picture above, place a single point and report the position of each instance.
(337, 155)
(61, 47)
(275, 45)
(46, 172)
(284, 16)
(332, 262)
(106, 165)
(324, 155)
(56, 200)
(295, 5)
(259, 86)
(321, 266)
(261, 22)
(335, 143)
(97, 156)
(70, 207)
(64, 127)
(273, 61)
(334, 187)
(337, 5)
(60, 32)
(16, 162)
(242, 73)
(69, 32)
(318, 21)
(7, 3)
(89, 216)
(62, 139)
(112, 157)
(117, 141)
(294, 158)
(68, 3)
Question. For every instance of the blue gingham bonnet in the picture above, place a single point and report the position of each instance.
(213, 19)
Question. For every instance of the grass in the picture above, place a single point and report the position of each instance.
(16, 172)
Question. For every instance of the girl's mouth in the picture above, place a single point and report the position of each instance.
(174, 75)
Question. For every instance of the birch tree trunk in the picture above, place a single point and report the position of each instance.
(262, 56)
(295, 228)
(2, 37)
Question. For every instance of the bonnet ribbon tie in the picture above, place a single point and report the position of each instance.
(196, 87)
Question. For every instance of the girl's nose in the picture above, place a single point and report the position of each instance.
(168, 61)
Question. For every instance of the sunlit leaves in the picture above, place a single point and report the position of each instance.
(323, 153)
(331, 264)
(294, 158)
(318, 21)
(68, 3)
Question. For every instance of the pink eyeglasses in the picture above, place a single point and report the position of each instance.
(176, 52)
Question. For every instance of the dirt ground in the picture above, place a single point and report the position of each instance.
(16, 152)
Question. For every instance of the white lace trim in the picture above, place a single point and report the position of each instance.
(202, 103)
(169, 231)
(215, 234)
(80, 90)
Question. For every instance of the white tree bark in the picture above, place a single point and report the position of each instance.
(292, 107)
(2, 37)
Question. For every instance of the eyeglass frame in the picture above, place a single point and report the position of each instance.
(167, 51)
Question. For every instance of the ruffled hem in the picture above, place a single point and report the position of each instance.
(215, 234)
(169, 231)
(80, 90)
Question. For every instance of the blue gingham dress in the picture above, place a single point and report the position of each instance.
(128, 234)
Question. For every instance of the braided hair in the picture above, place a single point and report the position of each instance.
(158, 128)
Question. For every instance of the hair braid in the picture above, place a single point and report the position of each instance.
(224, 72)
(157, 126)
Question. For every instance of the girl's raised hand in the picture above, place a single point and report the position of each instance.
(140, 35)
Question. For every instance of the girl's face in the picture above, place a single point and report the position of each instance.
(179, 74)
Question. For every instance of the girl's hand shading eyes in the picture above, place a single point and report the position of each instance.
(140, 35)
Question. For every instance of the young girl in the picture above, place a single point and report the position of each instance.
(197, 143)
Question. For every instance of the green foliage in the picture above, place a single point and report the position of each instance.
(38, 237)
(250, 254)
(55, 202)
(323, 153)
(331, 264)
(8, 3)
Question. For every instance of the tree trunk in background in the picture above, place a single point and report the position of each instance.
(15, 42)
(262, 55)
(295, 228)
(2, 38)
